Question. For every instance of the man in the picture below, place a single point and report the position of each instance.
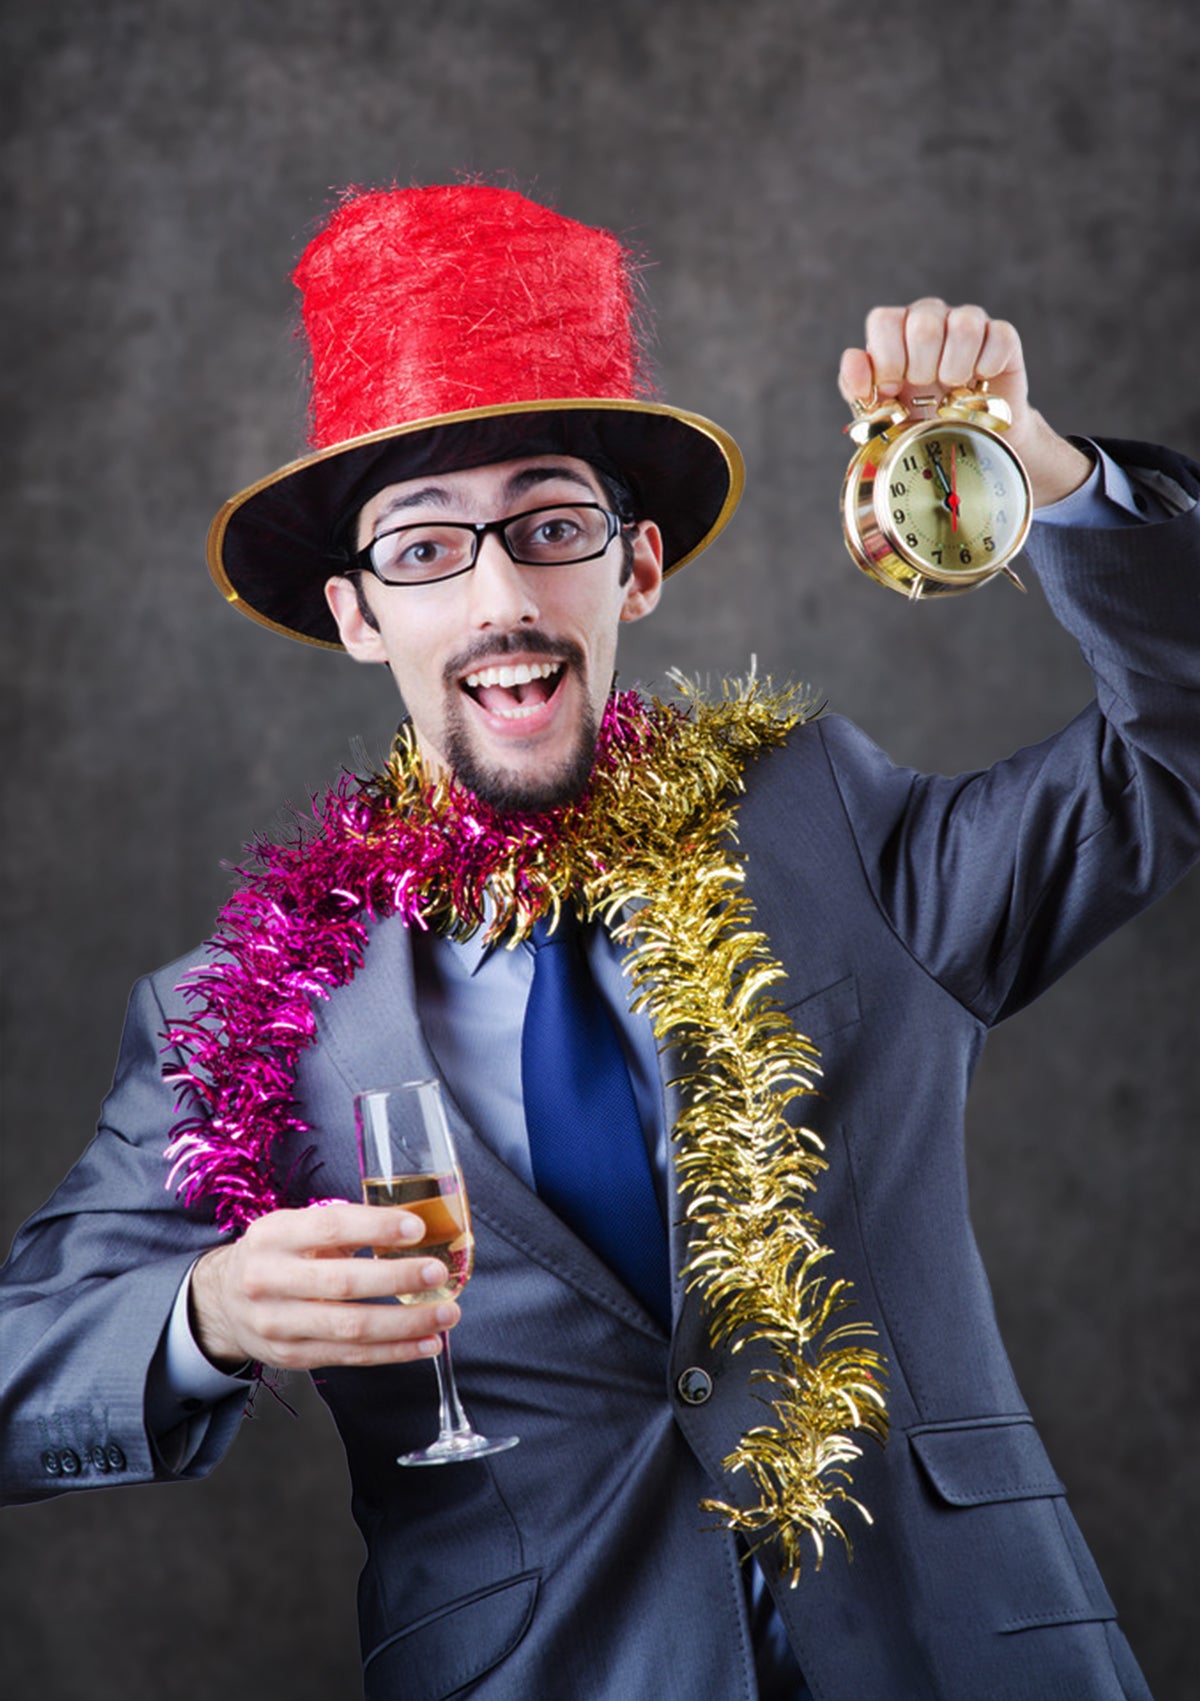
(487, 503)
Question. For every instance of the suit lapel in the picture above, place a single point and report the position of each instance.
(368, 1035)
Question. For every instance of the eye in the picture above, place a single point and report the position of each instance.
(558, 528)
(557, 534)
(419, 552)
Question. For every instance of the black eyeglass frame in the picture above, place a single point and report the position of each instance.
(361, 562)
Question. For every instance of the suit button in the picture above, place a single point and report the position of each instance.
(51, 1463)
(99, 1458)
(695, 1386)
(70, 1462)
(115, 1457)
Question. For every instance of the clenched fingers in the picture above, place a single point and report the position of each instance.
(930, 347)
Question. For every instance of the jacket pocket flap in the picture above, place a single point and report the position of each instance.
(828, 1010)
(441, 1653)
(971, 1464)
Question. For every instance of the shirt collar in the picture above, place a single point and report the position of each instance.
(471, 953)
(474, 952)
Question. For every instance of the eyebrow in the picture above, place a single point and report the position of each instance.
(518, 485)
(432, 493)
(530, 477)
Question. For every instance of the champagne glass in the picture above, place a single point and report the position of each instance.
(407, 1159)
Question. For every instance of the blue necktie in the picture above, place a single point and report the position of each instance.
(585, 1135)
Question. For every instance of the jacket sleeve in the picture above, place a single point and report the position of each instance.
(88, 1290)
(998, 881)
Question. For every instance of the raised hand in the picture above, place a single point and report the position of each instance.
(929, 348)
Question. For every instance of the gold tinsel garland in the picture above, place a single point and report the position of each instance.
(654, 843)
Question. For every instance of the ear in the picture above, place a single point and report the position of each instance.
(360, 638)
(644, 584)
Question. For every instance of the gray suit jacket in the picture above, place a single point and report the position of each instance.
(910, 913)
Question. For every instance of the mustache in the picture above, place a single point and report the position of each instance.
(532, 642)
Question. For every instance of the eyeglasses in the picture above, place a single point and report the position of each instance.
(441, 549)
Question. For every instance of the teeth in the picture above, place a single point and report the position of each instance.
(520, 713)
(508, 676)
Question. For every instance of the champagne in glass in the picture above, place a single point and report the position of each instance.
(441, 1203)
(407, 1160)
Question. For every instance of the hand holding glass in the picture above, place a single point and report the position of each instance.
(407, 1160)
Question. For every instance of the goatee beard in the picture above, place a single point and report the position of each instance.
(508, 790)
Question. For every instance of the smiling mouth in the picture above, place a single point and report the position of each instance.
(514, 691)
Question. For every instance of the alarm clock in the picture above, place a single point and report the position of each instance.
(936, 504)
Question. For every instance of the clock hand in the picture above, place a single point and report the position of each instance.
(949, 492)
(953, 500)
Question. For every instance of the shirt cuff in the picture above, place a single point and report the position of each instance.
(1112, 496)
(182, 1384)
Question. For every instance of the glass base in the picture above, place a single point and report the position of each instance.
(449, 1449)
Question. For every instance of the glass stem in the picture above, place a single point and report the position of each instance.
(453, 1419)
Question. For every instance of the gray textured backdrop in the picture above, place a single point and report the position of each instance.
(786, 164)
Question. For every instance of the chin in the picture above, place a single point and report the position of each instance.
(515, 791)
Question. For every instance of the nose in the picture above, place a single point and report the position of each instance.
(501, 592)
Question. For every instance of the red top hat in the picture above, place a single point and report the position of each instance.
(451, 327)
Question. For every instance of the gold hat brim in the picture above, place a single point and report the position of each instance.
(272, 547)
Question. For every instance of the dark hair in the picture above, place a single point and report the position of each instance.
(355, 576)
(619, 494)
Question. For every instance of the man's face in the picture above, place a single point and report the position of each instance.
(521, 738)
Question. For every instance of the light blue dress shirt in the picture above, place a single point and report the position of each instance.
(471, 998)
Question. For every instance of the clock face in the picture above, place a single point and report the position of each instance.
(952, 499)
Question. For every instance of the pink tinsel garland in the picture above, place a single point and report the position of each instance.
(298, 929)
